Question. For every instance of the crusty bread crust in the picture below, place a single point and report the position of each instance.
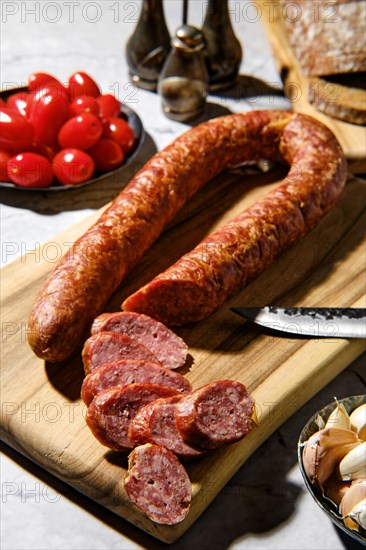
(327, 36)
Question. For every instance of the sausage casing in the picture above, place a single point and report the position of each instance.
(85, 278)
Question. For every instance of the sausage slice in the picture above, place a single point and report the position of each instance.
(156, 423)
(106, 347)
(158, 484)
(111, 411)
(216, 414)
(169, 348)
(129, 371)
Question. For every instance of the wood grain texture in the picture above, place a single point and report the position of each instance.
(43, 416)
(351, 136)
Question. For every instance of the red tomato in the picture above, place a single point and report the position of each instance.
(2, 103)
(107, 155)
(49, 110)
(72, 166)
(81, 84)
(109, 106)
(28, 107)
(80, 132)
(21, 103)
(37, 81)
(16, 133)
(18, 103)
(45, 150)
(118, 130)
(84, 104)
(4, 157)
(30, 170)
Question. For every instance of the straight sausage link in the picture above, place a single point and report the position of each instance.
(83, 281)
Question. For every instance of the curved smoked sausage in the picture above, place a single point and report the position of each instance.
(227, 260)
(85, 278)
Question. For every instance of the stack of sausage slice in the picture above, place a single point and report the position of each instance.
(137, 403)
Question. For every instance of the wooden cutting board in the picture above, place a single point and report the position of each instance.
(331, 97)
(43, 417)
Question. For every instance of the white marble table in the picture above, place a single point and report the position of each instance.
(265, 505)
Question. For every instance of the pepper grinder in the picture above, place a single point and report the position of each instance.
(183, 82)
(149, 45)
(223, 49)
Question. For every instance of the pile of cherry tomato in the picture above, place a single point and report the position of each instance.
(63, 133)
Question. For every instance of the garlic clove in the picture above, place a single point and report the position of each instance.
(323, 451)
(335, 489)
(339, 418)
(358, 421)
(353, 495)
(356, 517)
(353, 464)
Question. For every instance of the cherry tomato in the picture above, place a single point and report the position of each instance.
(80, 132)
(49, 110)
(45, 150)
(73, 166)
(2, 103)
(18, 103)
(109, 106)
(4, 157)
(120, 131)
(42, 149)
(37, 81)
(84, 104)
(107, 155)
(81, 84)
(30, 170)
(28, 107)
(21, 102)
(16, 133)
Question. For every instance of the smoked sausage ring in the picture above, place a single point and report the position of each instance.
(85, 278)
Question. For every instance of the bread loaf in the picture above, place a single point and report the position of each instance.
(340, 96)
(327, 36)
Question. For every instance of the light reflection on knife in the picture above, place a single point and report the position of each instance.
(306, 321)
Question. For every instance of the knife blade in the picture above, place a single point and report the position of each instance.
(309, 321)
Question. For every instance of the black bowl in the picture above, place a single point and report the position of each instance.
(317, 422)
(126, 113)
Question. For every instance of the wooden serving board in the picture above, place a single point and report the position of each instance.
(43, 417)
(332, 98)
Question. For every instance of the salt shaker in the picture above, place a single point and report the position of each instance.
(223, 49)
(149, 45)
(183, 82)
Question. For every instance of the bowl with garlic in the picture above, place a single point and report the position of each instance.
(332, 460)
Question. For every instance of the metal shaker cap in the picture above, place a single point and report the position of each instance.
(188, 38)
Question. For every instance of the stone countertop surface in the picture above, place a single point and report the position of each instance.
(265, 505)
